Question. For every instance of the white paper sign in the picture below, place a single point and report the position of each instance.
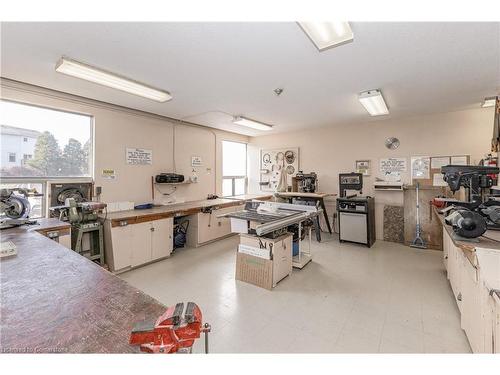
(392, 165)
(459, 160)
(139, 156)
(420, 167)
(196, 161)
(437, 180)
(108, 174)
(437, 163)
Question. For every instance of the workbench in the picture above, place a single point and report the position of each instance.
(473, 269)
(137, 237)
(56, 301)
(310, 197)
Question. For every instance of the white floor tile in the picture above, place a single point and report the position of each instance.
(350, 299)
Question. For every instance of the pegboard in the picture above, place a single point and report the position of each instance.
(273, 161)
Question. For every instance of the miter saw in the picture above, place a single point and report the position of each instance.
(471, 219)
(16, 207)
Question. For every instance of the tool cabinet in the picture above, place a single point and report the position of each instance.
(479, 309)
(262, 272)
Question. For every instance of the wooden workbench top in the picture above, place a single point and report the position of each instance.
(182, 209)
(42, 225)
(304, 195)
(249, 197)
(54, 300)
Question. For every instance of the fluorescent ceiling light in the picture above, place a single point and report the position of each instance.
(327, 34)
(251, 123)
(102, 77)
(373, 102)
(489, 102)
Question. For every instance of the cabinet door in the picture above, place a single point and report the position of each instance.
(161, 241)
(496, 325)
(206, 224)
(65, 240)
(141, 243)
(121, 240)
(455, 266)
(446, 249)
(282, 259)
(223, 226)
(471, 318)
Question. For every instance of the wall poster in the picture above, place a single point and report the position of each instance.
(196, 161)
(393, 165)
(420, 167)
(363, 166)
(139, 156)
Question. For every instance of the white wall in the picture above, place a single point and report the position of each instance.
(330, 151)
(117, 128)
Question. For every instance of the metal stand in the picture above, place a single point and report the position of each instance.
(96, 250)
(206, 330)
(304, 257)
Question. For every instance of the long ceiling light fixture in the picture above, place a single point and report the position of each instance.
(243, 121)
(374, 103)
(325, 35)
(489, 102)
(102, 77)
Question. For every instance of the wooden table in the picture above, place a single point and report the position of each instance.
(53, 300)
(310, 197)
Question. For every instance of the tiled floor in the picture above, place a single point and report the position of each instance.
(389, 299)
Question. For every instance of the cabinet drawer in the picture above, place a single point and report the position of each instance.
(282, 259)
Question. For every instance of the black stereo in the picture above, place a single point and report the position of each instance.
(169, 178)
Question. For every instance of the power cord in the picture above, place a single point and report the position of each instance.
(167, 194)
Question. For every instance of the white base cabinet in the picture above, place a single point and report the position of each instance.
(207, 227)
(496, 324)
(480, 311)
(134, 244)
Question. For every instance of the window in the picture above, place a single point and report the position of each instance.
(39, 145)
(234, 168)
(60, 142)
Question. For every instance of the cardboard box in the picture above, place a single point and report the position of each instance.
(264, 273)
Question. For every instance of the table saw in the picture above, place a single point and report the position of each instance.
(273, 219)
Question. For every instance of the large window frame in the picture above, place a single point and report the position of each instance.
(234, 178)
(45, 181)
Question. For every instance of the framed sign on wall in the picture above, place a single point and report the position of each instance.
(363, 166)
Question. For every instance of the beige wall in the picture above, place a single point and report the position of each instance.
(330, 151)
(117, 128)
